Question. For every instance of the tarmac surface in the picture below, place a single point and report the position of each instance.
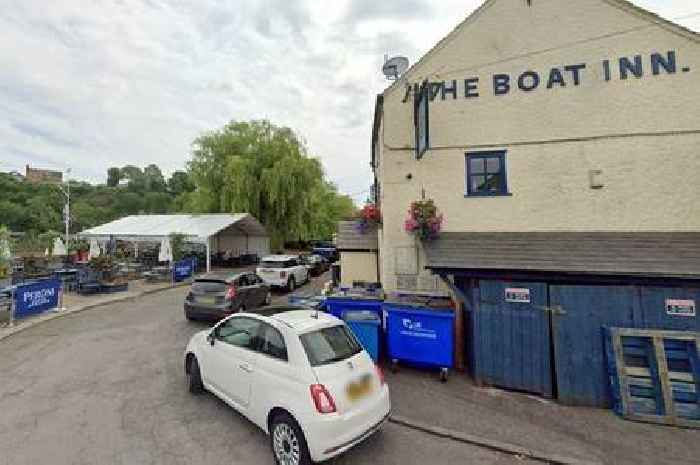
(106, 386)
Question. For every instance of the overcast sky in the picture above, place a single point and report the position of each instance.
(93, 84)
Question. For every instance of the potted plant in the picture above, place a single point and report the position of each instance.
(369, 217)
(423, 220)
(78, 249)
(103, 265)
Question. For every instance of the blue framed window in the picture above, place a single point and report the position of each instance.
(486, 173)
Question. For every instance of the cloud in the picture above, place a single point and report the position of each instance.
(33, 131)
(97, 84)
(373, 10)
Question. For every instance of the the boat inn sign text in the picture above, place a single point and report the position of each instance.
(571, 75)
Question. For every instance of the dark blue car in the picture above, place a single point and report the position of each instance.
(329, 253)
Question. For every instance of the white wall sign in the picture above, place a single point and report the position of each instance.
(676, 307)
(518, 295)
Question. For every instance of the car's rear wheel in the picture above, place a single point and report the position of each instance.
(288, 442)
(194, 377)
(291, 284)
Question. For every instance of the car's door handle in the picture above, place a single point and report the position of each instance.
(245, 367)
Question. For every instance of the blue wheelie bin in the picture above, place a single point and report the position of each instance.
(339, 305)
(367, 328)
(420, 336)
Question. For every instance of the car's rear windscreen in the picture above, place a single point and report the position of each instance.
(209, 286)
(329, 345)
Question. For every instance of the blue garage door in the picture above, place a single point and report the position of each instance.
(579, 350)
(511, 331)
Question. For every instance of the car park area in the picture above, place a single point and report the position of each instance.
(109, 382)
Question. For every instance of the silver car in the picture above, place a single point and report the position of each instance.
(215, 296)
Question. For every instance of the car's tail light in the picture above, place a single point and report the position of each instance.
(322, 399)
(283, 274)
(230, 293)
(380, 373)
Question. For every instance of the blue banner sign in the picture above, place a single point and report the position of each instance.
(37, 297)
(184, 269)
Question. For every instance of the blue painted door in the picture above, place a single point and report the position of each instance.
(579, 348)
(657, 315)
(511, 346)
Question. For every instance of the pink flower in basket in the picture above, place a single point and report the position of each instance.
(423, 220)
(410, 225)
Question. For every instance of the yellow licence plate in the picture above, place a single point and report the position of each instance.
(207, 300)
(357, 390)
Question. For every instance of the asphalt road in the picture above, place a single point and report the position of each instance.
(106, 386)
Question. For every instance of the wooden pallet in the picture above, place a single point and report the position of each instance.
(655, 375)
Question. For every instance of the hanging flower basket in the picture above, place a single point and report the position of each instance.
(369, 217)
(423, 220)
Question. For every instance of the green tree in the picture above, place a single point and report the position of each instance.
(113, 177)
(157, 202)
(154, 179)
(328, 207)
(5, 252)
(180, 183)
(38, 208)
(135, 177)
(262, 169)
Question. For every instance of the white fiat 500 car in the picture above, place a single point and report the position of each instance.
(284, 271)
(298, 374)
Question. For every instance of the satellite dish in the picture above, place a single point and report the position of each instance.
(395, 67)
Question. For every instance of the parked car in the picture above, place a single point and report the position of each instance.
(299, 375)
(328, 251)
(285, 271)
(215, 296)
(316, 264)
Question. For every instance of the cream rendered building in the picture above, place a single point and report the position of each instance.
(577, 115)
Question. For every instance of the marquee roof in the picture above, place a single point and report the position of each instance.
(198, 228)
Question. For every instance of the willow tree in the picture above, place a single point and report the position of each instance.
(265, 170)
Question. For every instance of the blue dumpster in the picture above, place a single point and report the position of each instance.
(420, 336)
(338, 305)
(367, 328)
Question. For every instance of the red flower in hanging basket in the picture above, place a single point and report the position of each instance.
(370, 212)
(423, 220)
(368, 216)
